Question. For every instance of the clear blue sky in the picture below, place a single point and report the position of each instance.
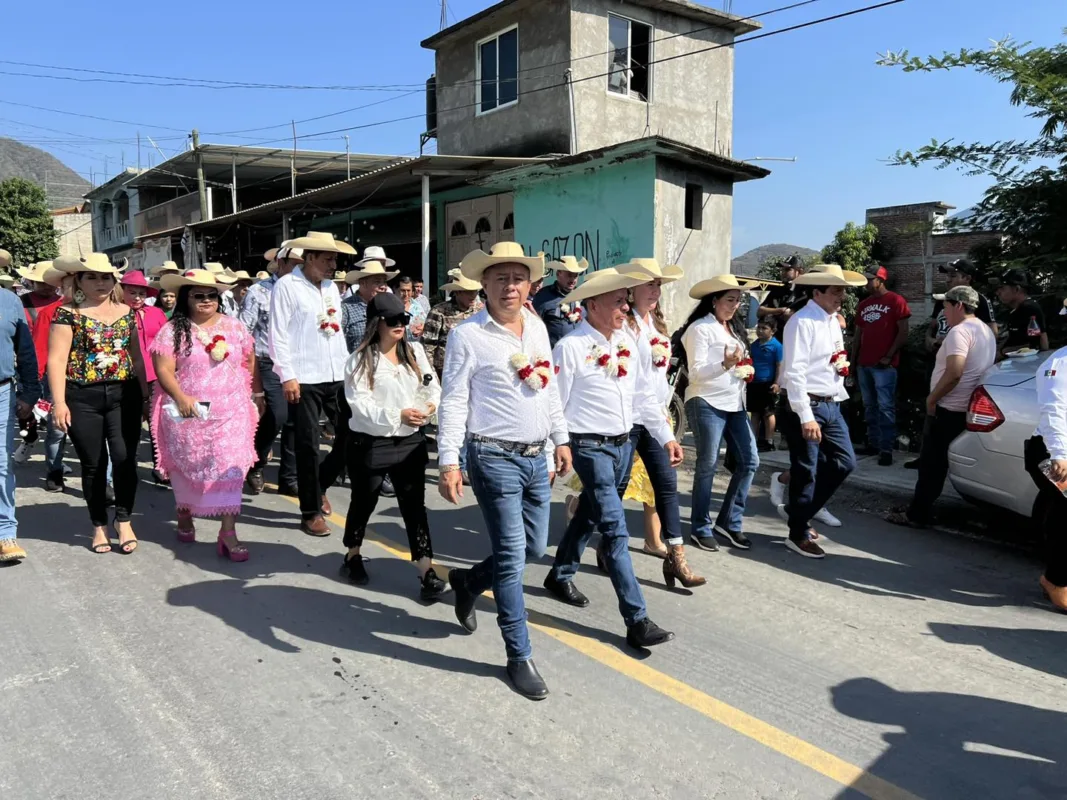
(815, 94)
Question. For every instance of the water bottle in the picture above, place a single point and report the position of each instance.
(1046, 470)
(1033, 330)
(422, 395)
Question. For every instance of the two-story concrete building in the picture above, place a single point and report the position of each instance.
(636, 101)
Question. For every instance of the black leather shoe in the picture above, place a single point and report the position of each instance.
(527, 680)
(646, 633)
(289, 491)
(387, 488)
(432, 587)
(355, 571)
(565, 592)
(54, 482)
(255, 481)
(465, 600)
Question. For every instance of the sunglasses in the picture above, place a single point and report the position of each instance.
(397, 321)
(202, 296)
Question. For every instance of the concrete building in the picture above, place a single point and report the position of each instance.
(74, 231)
(919, 242)
(114, 205)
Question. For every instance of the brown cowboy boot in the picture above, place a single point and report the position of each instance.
(676, 568)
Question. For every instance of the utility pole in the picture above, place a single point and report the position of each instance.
(348, 158)
(292, 163)
(444, 14)
(201, 186)
(138, 151)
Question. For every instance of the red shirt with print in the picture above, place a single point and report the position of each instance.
(39, 313)
(877, 317)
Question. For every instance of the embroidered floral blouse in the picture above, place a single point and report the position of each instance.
(98, 351)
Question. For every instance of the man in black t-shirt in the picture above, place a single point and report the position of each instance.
(958, 273)
(1026, 321)
(780, 299)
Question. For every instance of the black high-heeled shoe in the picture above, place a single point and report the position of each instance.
(159, 479)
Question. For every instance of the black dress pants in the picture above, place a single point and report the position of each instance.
(106, 417)
(1034, 452)
(403, 459)
(274, 416)
(306, 415)
(334, 463)
(939, 432)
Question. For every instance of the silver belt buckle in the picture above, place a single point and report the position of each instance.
(532, 450)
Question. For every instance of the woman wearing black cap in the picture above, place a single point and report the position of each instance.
(392, 390)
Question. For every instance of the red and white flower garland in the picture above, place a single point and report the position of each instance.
(215, 346)
(744, 370)
(328, 325)
(839, 361)
(572, 312)
(619, 368)
(661, 352)
(535, 372)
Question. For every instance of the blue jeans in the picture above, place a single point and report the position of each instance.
(604, 470)
(54, 439)
(816, 470)
(664, 479)
(878, 385)
(8, 428)
(709, 426)
(515, 498)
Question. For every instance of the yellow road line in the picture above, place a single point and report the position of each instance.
(792, 747)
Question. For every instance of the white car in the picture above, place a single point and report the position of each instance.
(985, 463)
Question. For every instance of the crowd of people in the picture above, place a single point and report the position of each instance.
(525, 388)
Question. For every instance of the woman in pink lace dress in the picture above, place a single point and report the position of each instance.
(206, 408)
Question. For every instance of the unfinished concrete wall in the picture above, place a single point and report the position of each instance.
(74, 234)
(539, 123)
(691, 97)
(702, 253)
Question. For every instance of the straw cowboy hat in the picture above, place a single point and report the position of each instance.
(194, 277)
(830, 275)
(242, 275)
(370, 269)
(163, 269)
(5, 259)
(476, 262)
(340, 277)
(223, 275)
(319, 242)
(262, 275)
(6, 280)
(38, 272)
(720, 283)
(461, 284)
(284, 250)
(455, 274)
(94, 262)
(375, 253)
(651, 267)
(568, 264)
(604, 281)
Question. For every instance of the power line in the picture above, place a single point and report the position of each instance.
(100, 119)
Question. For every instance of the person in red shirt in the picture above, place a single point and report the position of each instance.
(881, 332)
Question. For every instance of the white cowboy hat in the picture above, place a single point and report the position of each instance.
(830, 275)
(242, 275)
(720, 283)
(222, 274)
(370, 269)
(320, 242)
(36, 272)
(94, 262)
(163, 269)
(172, 282)
(568, 264)
(476, 262)
(340, 276)
(604, 281)
(262, 275)
(375, 253)
(284, 251)
(651, 267)
(5, 259)
(461, 284)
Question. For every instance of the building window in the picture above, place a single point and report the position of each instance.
(629, 67)
(498, 71)
(483, 226)
(694, 206)
(509, 223)
(458, 228)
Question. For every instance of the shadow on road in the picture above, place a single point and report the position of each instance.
(1043, 650)
(959, 746)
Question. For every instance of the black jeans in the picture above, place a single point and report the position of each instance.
(403, 459)
(664, 480)
(1034, 452)
(306, 415)
(334, 463)
(939, 432)
(106, 417)
(274, 417)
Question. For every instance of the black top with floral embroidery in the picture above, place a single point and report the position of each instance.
(98, 351)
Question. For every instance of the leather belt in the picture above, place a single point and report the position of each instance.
(6, 381)
(599, 438)
(822, 398)
(529, 449)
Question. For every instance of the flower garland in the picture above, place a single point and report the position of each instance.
(661, 352)
(534, 373)
(839, 361)
(619, 368)
(328, 325)
(215, 346)
(622, 360)
(572, 312)
(744, 370)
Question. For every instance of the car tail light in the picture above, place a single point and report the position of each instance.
(983, 414)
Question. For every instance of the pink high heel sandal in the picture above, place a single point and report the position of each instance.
(234, 550)
(186, 529)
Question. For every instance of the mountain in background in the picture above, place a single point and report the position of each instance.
(749, 263)
(63, 185)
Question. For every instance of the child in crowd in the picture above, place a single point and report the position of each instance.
(763, 391)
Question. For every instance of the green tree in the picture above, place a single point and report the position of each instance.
(26, 228)
(854, 247)
(1028, 199)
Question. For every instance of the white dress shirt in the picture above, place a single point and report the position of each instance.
(643, 337)
(298, 348)
(1052, 404)
(811, 339)
(597, 401)
(377, 412)
(706, 342)
(482, 393)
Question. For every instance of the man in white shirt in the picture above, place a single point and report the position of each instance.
(309, 353)
(499, 392)
(606, 389)
(814, 368)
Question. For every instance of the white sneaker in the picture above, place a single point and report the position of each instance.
(826, 518)
(777, 489)
(22, 453)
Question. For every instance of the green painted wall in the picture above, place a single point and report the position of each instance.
(605, 214)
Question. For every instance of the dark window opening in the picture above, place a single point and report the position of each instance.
(630, 57)
(458, 228)
(694, 206)
(483, 226)
(509, 222)
(498, 71)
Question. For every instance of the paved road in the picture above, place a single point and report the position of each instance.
(906, 664)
